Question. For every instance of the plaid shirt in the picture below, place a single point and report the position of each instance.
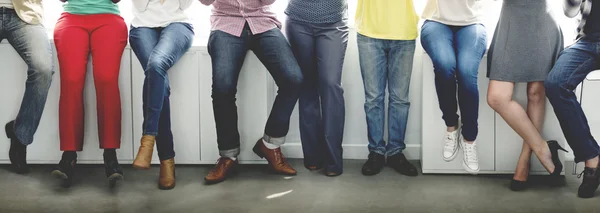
(230, 16)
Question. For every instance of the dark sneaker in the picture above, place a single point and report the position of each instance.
(65, 170)
(374, 164)
(17, 152)
(401, 164)
(112, 169)
(591, 180)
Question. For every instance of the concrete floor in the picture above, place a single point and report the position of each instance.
(254, 190)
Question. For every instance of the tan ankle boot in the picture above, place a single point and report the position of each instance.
(144, 155)
(167, 174)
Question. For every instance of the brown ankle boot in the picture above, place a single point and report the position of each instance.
(144, 155)
(167, 174)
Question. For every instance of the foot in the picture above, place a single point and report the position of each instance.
(275, 158)
(517, 185)
(553, 146)
(519, 180)
(225, 167)
(470, 160)
(112, 169)
(450, 149)
(144, 155)
(374, 164)
(17, 152)
(401, 165)
(65, 169)
(313, 168)
(591, 180)
(166, 179)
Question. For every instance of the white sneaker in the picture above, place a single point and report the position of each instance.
(470, 161)
(450, 149)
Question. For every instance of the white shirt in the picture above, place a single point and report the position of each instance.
(151, 13)
(6, 3)
(454, 12)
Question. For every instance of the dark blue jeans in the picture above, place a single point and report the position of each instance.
(31, 43)
(456, 52)
(571, 68)
(228, 53)
(320, 50)
(386, 63)
(158, 49)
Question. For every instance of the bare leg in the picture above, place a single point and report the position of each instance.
(500, 99)
(536, 107)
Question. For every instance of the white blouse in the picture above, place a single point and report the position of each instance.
(454, 12)
(153, 13)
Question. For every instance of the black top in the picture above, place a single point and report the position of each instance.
(592, 25)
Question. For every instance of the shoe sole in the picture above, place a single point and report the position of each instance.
(60, 175)
(136, 166)
(257, 151)
(451, 158)
(112, 179)
(165, 188)
(469, 170)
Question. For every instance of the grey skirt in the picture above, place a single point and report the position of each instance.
(526, 43)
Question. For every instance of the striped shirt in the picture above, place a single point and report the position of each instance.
(230, 16)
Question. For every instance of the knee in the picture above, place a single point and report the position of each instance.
(294, 79)
(158, 63)
(496, 100)
(553, 86)
(330, 83)
(445, 69)
(374, 100)
(41, 71)
(223, 89)
(536, 94)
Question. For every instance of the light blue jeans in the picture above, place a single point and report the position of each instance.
(158, 49)
(31, 43)
(456, 52)
(386, 63)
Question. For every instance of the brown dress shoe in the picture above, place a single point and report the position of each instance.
(222, 170)
(274, 157)
(144, 155)
(166, 179)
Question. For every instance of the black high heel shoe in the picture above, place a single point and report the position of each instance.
(517, 185)
(554, 147)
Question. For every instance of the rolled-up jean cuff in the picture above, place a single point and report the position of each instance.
(150, 133)
(275, 141)
(230, 153)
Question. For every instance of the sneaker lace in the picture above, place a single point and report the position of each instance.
(471, 153)
(449, 142)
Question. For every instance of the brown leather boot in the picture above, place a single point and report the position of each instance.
(225, 166)
(144, 155)
(166, 179)
(274, 157)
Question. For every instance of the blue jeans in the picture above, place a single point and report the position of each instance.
(228, 53)
(386, 63)
(31, 43)
(320, 50)
(158, 49)
(456, 52)
(571, 68)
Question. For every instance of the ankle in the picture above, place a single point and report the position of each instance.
(69, 155)
(270, 145)
(451, 128)
(592, 163)
(110, 153)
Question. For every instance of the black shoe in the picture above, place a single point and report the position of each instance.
(65, 170)
(591, 180)
(554, 147)
(112, 169)
(517, 185)
(17, 152)
(374, 164)
(401, 164)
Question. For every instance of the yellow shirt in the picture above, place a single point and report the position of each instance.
(387, 19)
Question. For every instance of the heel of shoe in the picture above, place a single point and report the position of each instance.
(257, 151)
(8, 129)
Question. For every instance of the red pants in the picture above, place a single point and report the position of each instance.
(75, 36)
